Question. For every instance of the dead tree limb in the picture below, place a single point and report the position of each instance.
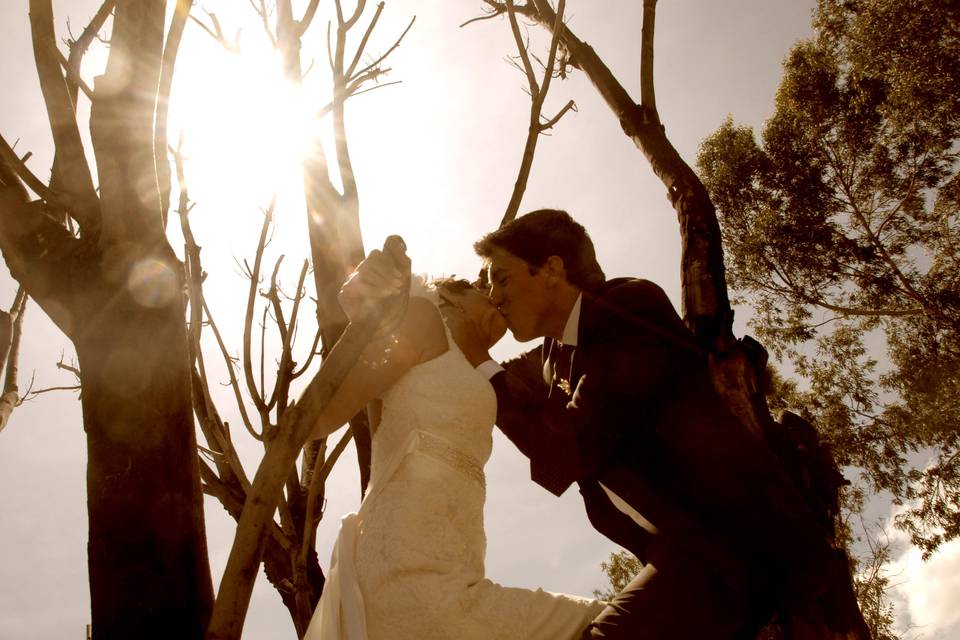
(73, 171)
(538, 95)
(11, 328)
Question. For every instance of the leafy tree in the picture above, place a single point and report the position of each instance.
(620, 568)
(841, 231)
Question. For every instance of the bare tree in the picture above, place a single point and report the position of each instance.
(737, 365)
(287, 548)
(95, 258)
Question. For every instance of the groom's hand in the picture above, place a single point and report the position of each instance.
(379, 289)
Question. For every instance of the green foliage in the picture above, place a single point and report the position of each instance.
(841, 231)
(620, 569)
(870, 584)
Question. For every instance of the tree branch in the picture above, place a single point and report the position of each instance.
(304, 23)
(298, 421)
(17, 166)
(549, 124)
(78, 47)
(255, 394)
(168, 64)
(522, 53)
(38, 250)
(648, 99)
(10, 334)
(74, 172)
(363, 41)
(538, 95)
(217, 33)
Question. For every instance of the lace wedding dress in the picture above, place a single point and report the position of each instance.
(410, 564)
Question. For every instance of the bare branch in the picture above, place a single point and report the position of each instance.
(168, 64)
(37, 392)
(73, 77)
(255, 394)
(10, 399)
(304, 23)
(647, 96)
(17, 165)
(313, 352)
(264, 16)
(217, 32)
(361, 5)
(74, 171)
(554, 44)
(538, 95)
(363, 41)
(321, 470)
(234, 382)
(383, 57)
(492, 13)
(72, 368)
(233, 599)
(78, 47)
(571, 105)
(37, 248)
(522, 47)
(297, 298)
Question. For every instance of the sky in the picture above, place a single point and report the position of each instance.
(435, 157)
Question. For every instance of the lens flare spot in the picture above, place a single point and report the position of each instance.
(152, 283)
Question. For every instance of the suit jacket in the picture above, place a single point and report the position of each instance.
(643, 418)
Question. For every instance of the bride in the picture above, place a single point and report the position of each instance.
(410, 563)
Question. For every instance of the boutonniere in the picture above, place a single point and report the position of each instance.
(564, 385)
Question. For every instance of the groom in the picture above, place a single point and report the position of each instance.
(618, 399)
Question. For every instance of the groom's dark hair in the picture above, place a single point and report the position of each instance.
(536, 236)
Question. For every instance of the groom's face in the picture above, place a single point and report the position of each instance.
(520, 296)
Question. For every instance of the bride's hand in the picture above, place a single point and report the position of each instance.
(470, 337)
(379, 289)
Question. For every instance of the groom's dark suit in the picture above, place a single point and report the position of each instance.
(640, 417)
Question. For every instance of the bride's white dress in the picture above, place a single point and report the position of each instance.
(410, 564)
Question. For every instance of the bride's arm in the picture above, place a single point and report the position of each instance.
(419, 337)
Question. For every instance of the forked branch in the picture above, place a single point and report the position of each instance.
(538, 94)
(73, 169)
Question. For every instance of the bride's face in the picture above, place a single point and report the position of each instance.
(478, 307)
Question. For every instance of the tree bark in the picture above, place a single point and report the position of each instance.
(116, 292)
(147, 553)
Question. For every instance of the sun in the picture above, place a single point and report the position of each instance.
(245, 127)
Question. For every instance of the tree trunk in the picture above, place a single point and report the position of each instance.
(147, 551)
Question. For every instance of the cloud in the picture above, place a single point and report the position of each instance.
(925, 593)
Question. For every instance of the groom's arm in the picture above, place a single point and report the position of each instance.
(521, 394)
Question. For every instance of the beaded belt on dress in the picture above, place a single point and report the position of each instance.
(441, 450)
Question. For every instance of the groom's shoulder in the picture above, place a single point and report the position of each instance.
(631, 296)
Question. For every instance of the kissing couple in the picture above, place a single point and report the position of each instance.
(617, 399)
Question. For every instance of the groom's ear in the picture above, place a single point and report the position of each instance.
(555, 270)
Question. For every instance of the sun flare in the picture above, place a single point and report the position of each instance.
(246, 128)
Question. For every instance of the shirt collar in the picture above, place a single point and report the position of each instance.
(572, 328)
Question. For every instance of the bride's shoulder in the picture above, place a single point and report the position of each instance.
(420, 336)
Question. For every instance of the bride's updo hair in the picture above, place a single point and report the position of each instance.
(452, 285)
